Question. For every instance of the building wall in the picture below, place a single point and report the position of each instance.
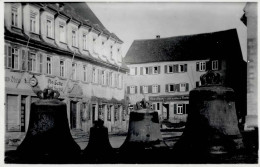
(79, 94)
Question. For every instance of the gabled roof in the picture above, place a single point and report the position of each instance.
(185, 48)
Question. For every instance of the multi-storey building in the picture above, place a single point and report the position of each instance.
(65, 47)
(164, 70)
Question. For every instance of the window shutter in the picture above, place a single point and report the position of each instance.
(175, 68)
(20, 59)
(141, 89)
(24, 52)
(150, 89)
(177, 87)
(135, 89)
(55, 65)
(154, 107)
(158, 88)
(197, 66)
(187, 87)
(135, 70)
(166, 88)
(150, 70)
(107, 78)
(175, 108)
(165, 69)
(100, 77)
(9, 54)
(80, 71)
(208, 65)
(89, 74)
(141, 71)
(184, 108)
(128, 90)
(185, 67)
(159, 69)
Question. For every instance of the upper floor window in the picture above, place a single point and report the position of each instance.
(111, 51)
(201, 66)
(84, 73)
(155, 89)
(182, 87)
(170, 69)
(32, 62)
(74, 38)
(14, 16)
(103, 77)
(156, 70)
(182, 68)
(49, 66)
(13, 59)
(110, 78)
(62, 68)
(132, 70)
(171, 87)
(215, 65)
(62, 33)
(145, 89)
(146, 70)
(120, 80)
(24, 60)
(49, 28)
(39, 63)
(33, 22)
(93, 75)
(74, 71)
(132, 89)
(175, 68)
(85, 41)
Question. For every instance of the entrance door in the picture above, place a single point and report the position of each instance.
(93, 113)
(166, 111)
(73, 114)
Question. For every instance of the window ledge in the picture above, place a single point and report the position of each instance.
(84, 82)
(85, 50)
(75, 47)
(50, 75)
(62, 78)
(34, 73)
(15, 70)
(51, 38)
(63, 42)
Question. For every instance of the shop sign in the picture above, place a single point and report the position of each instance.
(12, 79)
(169, 98)
(56, 84)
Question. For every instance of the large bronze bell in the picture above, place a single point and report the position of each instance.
(48, 136)
(144, 142)
(212, 124)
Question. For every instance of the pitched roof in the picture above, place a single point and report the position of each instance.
(184, 48)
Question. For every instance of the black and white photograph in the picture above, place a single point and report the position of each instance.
(113, 82)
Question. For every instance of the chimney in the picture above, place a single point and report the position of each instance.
(157, 36)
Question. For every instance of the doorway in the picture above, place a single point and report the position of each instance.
(166, 111)
(73, 114)
(93, 112)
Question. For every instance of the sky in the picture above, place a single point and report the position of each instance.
(132, 21)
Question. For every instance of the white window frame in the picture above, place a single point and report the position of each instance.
(155, 88)
(14, 16)
(145, 88)
(103, 76)
(215, 65)
(62, 33)
(33, 64)
(74, 38)
(132, 71)
(155, 71)
(49, 28)
(33, 21)
(169, 88)
(132, 89)
(62, 68)
(74, 71)
(39, 63)
(181, 66)
(15, 59)
(84, 38)
(179, 109)
(202, 66)
(49, 65)
(182, 87)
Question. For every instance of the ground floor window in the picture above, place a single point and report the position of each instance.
(13, 114)
(116, 113)
(180, 108)
(109, 112)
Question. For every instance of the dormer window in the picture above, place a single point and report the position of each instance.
(85, 41)
(62, 33)
(49, 28)
(14, 17)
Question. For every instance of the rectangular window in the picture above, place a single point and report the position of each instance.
(110, 78)
(85, 42)
(158, 106)
(179, 108)
(33, 22)
(109, 107)
(74, 38)
(85, 73)
(155, 89)
(32, 62)
(62, 33)
(171, 88)
(119, 81)
(182, 87)
(215, 65)
(155, 70)
(23, 60)
(202, 66)
(39, 63)
(103, 77)
(49, 66)
(132, 89)
(93, 75)
(14, 17)
(15, 59)
(74, 71)
(62, 68)
(145, 89)
(181, 68)
(49, 28)
(170, 69)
